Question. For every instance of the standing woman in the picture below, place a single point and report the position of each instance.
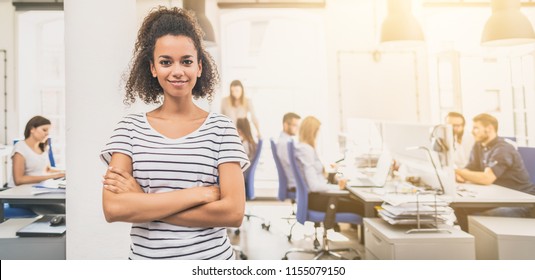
(175, 173)
(238, 106)
(31, 163)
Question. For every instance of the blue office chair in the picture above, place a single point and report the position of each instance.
(250, 172)
(528, 156)
(284, 191)
(11, 212)
(249, 195)
(249, 185)
(327, 217)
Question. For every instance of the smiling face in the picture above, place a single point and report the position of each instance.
(176, 65)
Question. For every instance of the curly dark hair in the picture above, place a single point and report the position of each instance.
(160, 22)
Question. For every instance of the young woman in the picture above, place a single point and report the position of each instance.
(175, 172)
(31, 163)
(314, 172)
(237, 106)
(244, 131)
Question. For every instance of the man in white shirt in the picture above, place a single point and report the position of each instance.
(461, 146)
(290, 127)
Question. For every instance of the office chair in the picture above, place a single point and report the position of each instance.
(329, 217)
(249, 194)
(284, 191)
(528, 156)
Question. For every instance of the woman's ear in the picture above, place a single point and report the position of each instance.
(200, 69)
(153, 70)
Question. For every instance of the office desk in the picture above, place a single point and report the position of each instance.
(13, 247)
(23, 194)
(483, 196)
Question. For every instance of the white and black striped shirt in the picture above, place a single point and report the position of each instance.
(161, 164)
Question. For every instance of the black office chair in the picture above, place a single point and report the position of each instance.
(284, 192)
(328, 217)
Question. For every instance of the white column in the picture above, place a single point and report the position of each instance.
(99, 38)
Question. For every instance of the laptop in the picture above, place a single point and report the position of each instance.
(42, 227)
(379, 178)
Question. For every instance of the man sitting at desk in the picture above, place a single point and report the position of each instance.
(494, 161)
(290, 127)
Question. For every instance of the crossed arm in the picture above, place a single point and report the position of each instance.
(485, 177)
(206, 206)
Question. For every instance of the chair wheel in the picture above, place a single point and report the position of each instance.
(316, 244)
(285, 258)
(248, 218)
(243, 256)
(289, 238)
(266, 226)
(237, 232)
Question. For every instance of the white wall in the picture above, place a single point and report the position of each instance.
(97, 53)
(7, 42)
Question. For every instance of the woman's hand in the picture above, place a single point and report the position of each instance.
(57, 175)
(120, 181)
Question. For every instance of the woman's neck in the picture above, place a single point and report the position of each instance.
(178, 107)
(32, 143)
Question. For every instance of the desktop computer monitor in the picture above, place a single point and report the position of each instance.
(427, 150)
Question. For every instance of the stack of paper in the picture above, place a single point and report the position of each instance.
(50, 186)
(411, 209)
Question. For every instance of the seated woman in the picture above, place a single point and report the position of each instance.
(314, 172)
(31, 163)
(244, 131)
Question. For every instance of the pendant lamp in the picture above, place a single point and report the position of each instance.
(400, 27)
(507, 26)
(198, 6)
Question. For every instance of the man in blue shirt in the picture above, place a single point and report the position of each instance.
(493, 161)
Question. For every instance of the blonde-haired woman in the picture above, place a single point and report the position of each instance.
(237, 106)
(314, 172)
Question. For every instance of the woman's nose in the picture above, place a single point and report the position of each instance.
(178, 70)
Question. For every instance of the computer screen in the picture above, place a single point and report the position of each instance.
(414, 144)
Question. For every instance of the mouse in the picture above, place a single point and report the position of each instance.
(57, 220)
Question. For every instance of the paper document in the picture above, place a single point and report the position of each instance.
(50, 186)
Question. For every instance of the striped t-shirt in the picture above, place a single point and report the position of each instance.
(161, 164)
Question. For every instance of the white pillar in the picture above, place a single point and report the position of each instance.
(99, 38)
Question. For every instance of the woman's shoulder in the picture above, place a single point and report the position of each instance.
(304, 148)
(219, 118)
(133, 118)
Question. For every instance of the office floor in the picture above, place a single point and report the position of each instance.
(260, 244)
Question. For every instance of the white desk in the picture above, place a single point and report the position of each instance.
(13, 247)
(386, 242)
(23, 194)
(501, 238)
(483, 196)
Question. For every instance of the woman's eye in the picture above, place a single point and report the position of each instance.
(165, 62)
(188, 61)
